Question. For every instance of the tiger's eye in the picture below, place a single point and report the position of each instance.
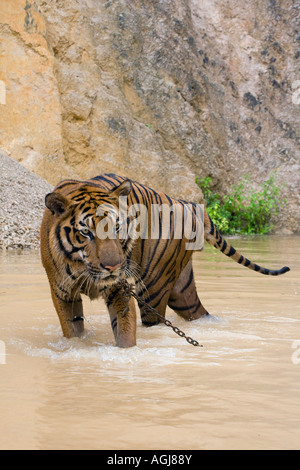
(85, 232)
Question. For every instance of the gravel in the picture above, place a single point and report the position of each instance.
(22, 196)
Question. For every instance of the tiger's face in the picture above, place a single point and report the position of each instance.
(98, 254)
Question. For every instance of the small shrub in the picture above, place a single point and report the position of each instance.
(243, 210)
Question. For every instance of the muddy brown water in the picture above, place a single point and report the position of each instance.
(240, 391)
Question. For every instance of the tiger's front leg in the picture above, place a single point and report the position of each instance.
(122, 317)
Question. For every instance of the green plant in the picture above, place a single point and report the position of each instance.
(243, 210)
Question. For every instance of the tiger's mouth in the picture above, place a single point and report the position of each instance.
(103, 277)
(98, 277)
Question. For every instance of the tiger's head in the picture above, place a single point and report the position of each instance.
(76, 237)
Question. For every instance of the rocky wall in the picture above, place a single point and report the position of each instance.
(160, 91)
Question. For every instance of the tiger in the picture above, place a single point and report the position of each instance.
(79, 262)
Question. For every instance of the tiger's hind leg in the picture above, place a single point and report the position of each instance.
(184, 299)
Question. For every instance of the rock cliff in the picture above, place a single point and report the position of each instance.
(160, 91)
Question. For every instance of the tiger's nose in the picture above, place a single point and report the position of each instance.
(112, 268)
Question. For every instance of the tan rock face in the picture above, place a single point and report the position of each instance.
(251, 50)
(157, 91)
(30, 118)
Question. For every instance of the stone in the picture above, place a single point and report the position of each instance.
(160, 92)
(20, 216)
(30, 118)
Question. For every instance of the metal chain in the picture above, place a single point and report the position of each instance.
(128, 290)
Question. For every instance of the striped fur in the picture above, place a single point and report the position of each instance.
(78, 262)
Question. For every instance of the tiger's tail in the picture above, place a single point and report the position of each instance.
(214, 238)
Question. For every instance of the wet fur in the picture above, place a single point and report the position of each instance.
(161, 269)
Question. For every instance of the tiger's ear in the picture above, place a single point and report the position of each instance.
(56, 203)
(123, 189)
